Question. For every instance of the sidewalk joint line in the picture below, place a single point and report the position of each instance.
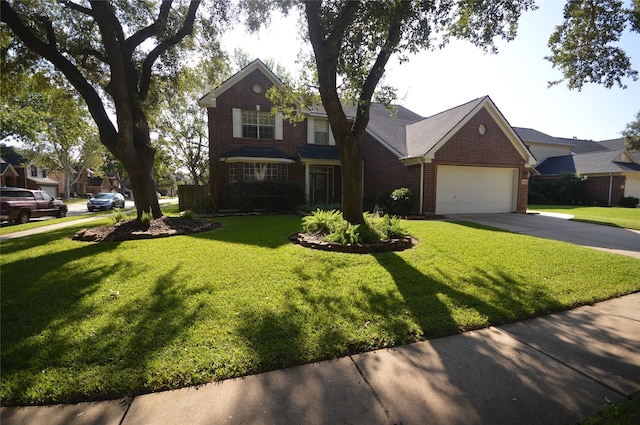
(129, 401)
(386, 410)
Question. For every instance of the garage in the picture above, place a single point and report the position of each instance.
(632, 186)
(469, 190)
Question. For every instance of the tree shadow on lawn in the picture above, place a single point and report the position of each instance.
(317, 325)
(56, 347)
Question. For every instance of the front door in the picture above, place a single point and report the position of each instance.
(321, 185)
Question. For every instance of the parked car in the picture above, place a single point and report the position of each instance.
(105, 201)
(20, 205)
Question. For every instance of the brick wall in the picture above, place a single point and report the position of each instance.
(596, 189)
(383, 171)
(221, 139)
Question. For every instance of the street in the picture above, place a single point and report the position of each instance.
(80, 208)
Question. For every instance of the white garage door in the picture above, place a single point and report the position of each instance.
(469, 190)
(632, 187)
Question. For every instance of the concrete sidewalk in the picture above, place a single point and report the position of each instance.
(556, 369)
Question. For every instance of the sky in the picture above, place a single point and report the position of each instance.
(516, 78)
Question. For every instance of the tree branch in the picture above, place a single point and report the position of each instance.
(73, 74)
(377, 70)
(185, 30)
(77, 7)
(139, 37)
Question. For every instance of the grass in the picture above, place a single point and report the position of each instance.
(626, 412)
(84, 321)
(611, 216)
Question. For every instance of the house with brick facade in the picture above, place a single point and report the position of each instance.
(467, 159)
(607, 170)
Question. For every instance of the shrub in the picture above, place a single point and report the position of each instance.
(146, 218)
(321, 221)
(629, 202)
(346, 233)
(401, 201)
(118, 215)
(271, 196)
(537, 198)
(188, 214)
(386, 227)
(337, 229)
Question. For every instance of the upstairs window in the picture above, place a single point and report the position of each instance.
(321, 132)
(34, 171)
(258, 125)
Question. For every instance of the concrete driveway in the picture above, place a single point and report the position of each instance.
(614, 239)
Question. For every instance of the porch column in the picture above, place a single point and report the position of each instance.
(307, 183)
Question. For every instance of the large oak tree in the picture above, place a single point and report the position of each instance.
(112, 53)
(353, 42)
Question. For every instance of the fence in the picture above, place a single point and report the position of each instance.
(195, 198)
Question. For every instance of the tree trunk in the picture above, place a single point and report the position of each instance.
(352, 184)
(139, 167)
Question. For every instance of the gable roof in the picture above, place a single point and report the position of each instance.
(425, 137)
(209, 99)
(529, 135)
(7, 168)
(589, 163)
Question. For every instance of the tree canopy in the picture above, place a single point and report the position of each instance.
(585, 47)
(114, 53)
(352, 43)
(631, 134)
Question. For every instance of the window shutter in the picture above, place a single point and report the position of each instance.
(311, 131)
(278, 125)
(332, 141)
(237, 122)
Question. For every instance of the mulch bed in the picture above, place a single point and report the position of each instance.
(318, 242)
(133, 229)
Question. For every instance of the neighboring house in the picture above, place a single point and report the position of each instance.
(608, 171)
(607, 175)
(543, 146)
(26, 174)
(464, 160)
(8, 174)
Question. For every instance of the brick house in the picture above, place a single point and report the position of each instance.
(464, 160)
(608, 171)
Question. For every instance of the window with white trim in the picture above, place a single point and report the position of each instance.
(258, 171)
(233, 172)
(258, 125)
(321, 132)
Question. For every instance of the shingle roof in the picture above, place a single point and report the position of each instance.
(387, 124)
(531, 135)
(319, 152)
(586, 146)
(423, 135)
(586, 163)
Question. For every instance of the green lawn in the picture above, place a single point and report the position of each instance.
(82, 321)
(611, 216)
